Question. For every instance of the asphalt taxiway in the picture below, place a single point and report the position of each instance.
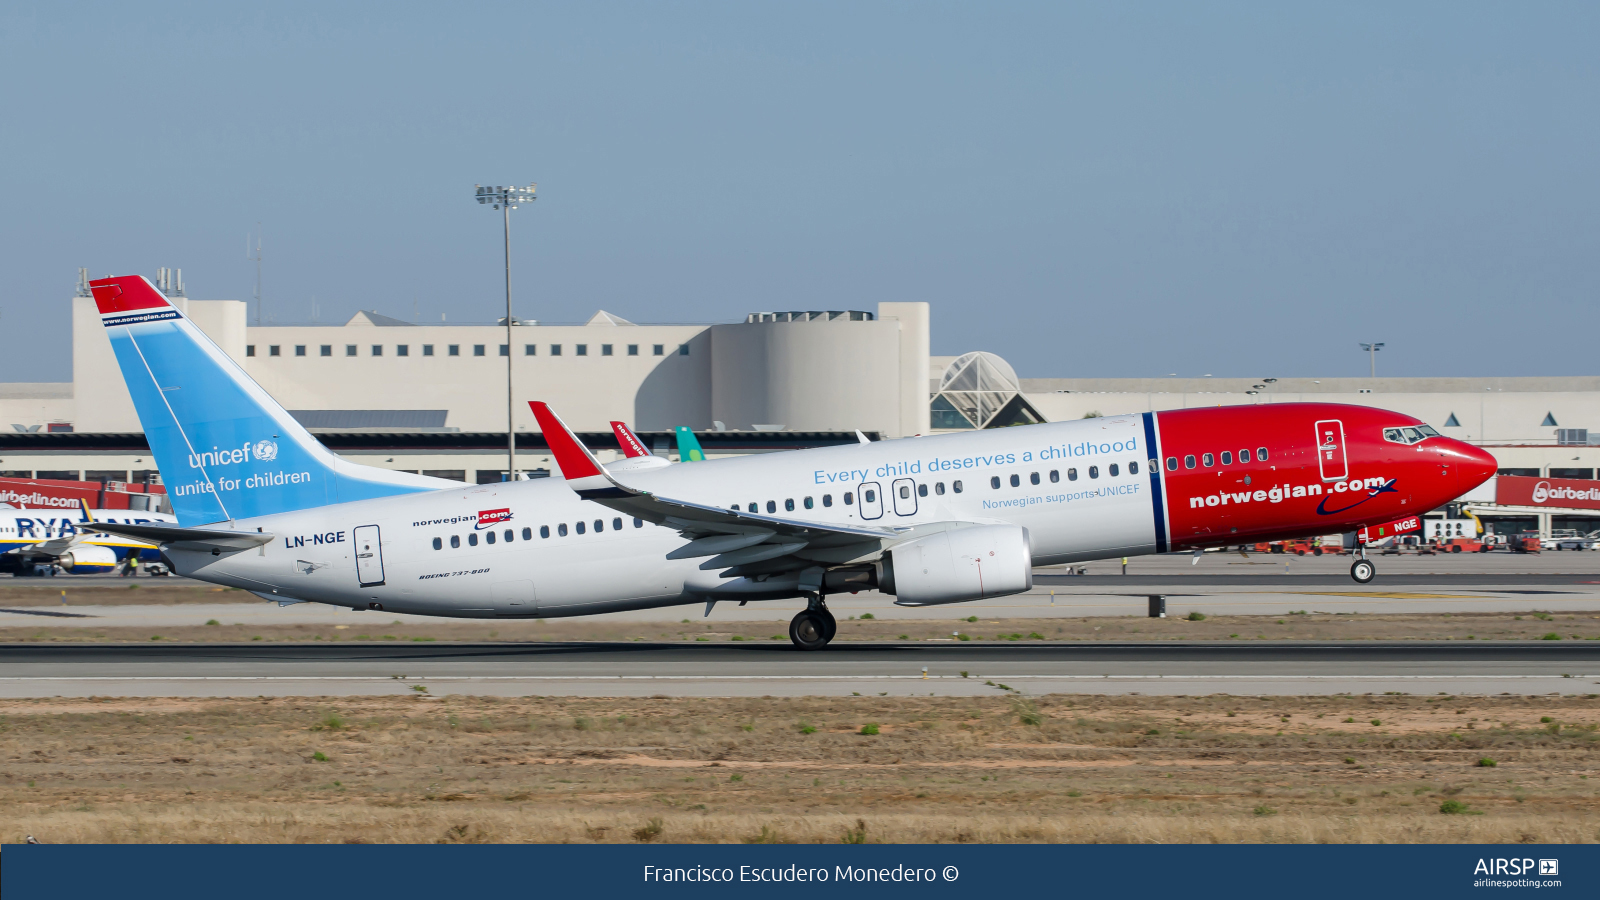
(721, 670)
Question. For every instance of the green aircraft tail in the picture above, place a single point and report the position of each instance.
(688, 446)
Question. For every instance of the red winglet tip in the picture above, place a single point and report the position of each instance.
(125, 294)
(572, 459)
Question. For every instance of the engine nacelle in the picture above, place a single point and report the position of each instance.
(955, 566)
(87, 559)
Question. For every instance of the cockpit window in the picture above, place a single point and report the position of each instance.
(1409, 434)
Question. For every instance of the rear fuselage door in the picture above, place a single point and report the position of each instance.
(1330, 450)
(905, 497)
(369, 556)
(871, 500)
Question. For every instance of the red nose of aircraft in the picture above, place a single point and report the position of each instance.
(1473, 465)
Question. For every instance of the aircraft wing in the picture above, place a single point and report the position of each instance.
(176, 538)
(745, 541)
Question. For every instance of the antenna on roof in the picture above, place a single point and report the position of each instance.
(257, 259)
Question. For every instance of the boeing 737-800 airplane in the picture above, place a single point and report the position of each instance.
(930, 520)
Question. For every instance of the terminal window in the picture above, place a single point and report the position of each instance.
(349, 349)
(479, 349)
(274, 350)
(326, 349)
(581, 349)
(683, 349)
(555, 349)
(454, 349)
(530, 349)
(633, 349)
(505, 349)
(377, 349)
(659, 349)
(427, 349)
(605, 349)
(402, 349)
(250, 350)
(299, 349)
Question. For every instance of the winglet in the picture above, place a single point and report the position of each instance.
(582, 471)
(632, 447)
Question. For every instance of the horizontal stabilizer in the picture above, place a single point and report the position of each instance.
(176, 538)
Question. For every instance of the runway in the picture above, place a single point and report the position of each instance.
(722, 670)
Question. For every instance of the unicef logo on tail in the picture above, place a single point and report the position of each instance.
(266, 451)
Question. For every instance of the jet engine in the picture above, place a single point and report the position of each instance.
(87, 559)
(968, 563)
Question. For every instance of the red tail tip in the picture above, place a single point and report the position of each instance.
(125, 294)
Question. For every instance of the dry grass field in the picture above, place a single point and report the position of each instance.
(1002, 768)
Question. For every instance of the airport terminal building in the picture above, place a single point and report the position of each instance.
(432, 397)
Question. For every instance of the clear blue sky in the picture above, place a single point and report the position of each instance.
(1088, 190)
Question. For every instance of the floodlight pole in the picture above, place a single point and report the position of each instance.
(505, 199)
(1372, 356)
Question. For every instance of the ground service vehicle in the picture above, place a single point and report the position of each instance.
(942, 519)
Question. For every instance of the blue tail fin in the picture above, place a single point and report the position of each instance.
(226, 449)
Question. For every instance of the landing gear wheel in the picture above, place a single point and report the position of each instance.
(829, 625)
(808, 631)
(1362, 571)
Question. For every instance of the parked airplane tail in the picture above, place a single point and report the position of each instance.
(689, 446)
(225, 448)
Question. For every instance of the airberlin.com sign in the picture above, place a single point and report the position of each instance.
(1566, 493)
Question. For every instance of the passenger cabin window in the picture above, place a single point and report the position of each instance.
(1133, 468)
(809, 503)
(1094, 471)
(1072, 474)
(922, 490)
(512, 535)
(544, 531)
(578, 527)
(489, 537)
(638, 522)
(754, 507)
(772, 507)
(994, 482)
(1207, 460)
(599, 525)
(788, 505)
(1261, 454)
(1188, 461)
(472, 540)
(1015, 481)
(1227, 457)
(1033, 478)
(1172, 464)
(869, 496)
(561, 530)
(827, 499)
(527, 533)
(1055, 476)
(616, 524)
(1244, 456)
(938, 488)
(438, 544)
(1112, 470)
(905, 492)
(455, 541)
(848, 499)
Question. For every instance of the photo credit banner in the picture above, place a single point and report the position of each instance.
(434, 872)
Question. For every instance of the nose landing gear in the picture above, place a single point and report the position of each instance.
(1362, 570)
(813, 627)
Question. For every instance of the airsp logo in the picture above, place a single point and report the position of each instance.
(266, 451)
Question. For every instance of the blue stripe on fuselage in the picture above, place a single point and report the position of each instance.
(1157, 502)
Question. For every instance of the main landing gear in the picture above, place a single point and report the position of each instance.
(813, 627)
(1362, 570)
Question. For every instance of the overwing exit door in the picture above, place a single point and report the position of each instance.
(369, 556)
(870, 497)
(905, 497)
(1330, 450)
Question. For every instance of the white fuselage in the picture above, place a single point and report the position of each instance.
(380, 553)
